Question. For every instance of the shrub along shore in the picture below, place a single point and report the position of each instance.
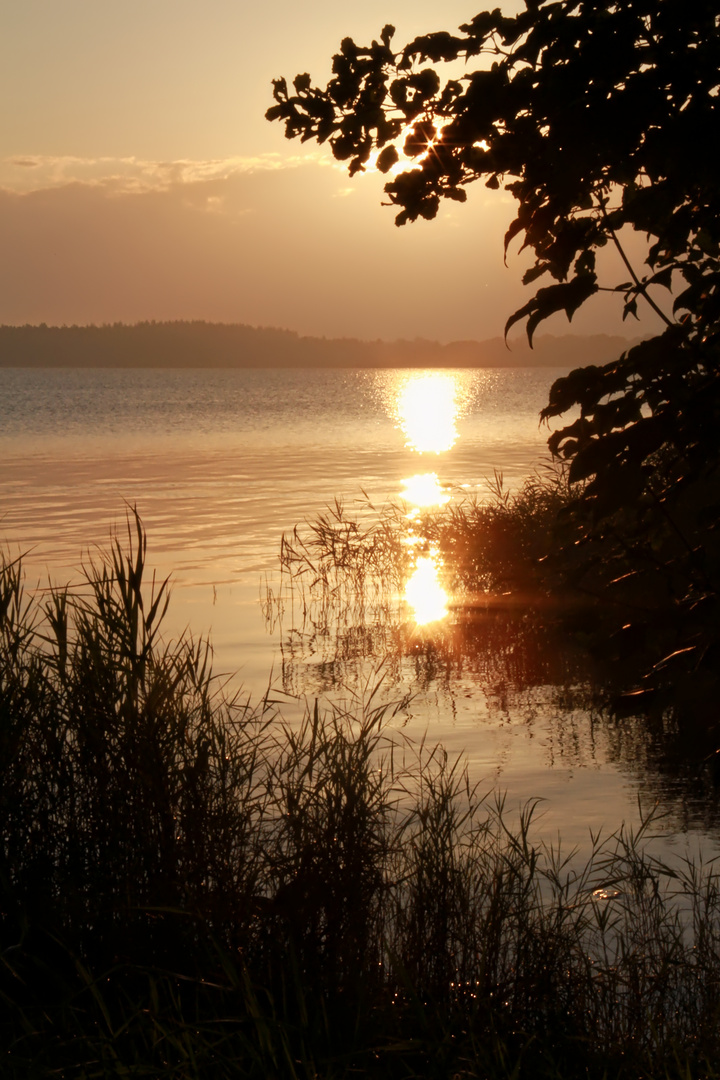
(191, 888)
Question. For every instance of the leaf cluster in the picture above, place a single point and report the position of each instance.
(595, 115)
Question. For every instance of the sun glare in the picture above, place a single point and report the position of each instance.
(424, 593)
(404, 162)
(427, 408)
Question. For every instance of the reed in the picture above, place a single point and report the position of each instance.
(339, 600)
(490, 546)
(192, 888)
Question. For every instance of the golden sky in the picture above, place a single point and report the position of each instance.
(140, 180)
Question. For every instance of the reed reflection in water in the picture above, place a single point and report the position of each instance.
(493, 678)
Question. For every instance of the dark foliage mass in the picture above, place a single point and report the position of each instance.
(600, 117)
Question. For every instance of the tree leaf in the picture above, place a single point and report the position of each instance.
(388, 157)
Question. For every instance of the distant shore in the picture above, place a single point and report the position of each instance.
(235, 345)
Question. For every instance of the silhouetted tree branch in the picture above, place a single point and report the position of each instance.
(598, 116)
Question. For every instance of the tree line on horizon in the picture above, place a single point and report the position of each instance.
(206, 344)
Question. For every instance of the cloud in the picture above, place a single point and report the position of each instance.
(255, 240)
(136, 175)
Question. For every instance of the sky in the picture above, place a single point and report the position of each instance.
(140, 180)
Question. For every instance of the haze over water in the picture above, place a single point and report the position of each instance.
(220, 463)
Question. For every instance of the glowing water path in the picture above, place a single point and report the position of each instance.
(427, 407)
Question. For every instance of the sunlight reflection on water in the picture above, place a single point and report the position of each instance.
(423, 489)
(220, 463)
(427, 408)
(427, 405)
(424, 593)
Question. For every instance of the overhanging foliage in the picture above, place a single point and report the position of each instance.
(599, 117)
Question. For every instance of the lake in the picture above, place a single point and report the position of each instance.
(221, 463)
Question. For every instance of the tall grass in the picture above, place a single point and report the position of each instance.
(339, 600)
(530, 605)
(492, 546)
(191, 887)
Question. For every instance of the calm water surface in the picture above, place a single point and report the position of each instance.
(221, 463)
